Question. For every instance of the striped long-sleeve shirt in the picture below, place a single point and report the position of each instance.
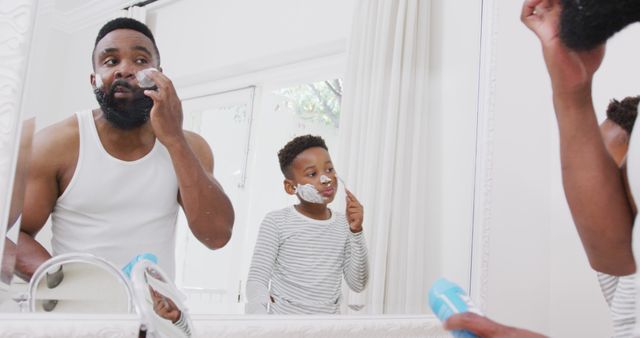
(303, 260)
(620, 294)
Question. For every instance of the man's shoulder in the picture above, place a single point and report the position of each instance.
(201, 148)
(59, 133)
(194, 139)
(58, 141)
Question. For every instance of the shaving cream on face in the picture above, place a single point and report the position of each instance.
(144, 81)
(99, 83)
(309, 193)
(324, 179)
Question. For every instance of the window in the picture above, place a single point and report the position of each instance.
(245, 142)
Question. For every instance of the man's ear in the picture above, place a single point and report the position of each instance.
(96, 80)
(289, 186)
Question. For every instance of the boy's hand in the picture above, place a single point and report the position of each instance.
(355, 212)
(164, 306)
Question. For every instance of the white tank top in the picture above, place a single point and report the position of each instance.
(117, 209)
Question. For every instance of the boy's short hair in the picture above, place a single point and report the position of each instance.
(288, 153)
(624, 113)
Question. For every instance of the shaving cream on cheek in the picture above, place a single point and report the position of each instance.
(144, 81)
(99, 83)
(309, 193)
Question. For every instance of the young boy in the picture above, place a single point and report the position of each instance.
(303, 250)
(620, 291)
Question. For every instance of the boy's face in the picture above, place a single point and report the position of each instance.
(308, 168)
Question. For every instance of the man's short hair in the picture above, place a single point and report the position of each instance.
(291, 150)
(585, 24)
(624, 113)
(124, 23)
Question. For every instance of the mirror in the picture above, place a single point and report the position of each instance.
(249, 83)
(79, 283)
(159, 302)
(8, 257)
(16, 130)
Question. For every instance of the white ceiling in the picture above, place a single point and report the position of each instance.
(73, 15)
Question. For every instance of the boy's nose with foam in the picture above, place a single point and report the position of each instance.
(325, 179)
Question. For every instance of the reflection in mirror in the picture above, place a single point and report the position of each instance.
(256, 84)
(159, 303)
(79, 283)
(8, 257)
(17, 19)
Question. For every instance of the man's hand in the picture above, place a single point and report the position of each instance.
(166, 114)
(486, 328)
(355, 213)
(570, 71)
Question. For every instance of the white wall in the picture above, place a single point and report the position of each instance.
(521, 176)
(198, 36)
(194, 37)
(539, 277)
(454, 76)
(45, 77)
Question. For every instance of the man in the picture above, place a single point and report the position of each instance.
(595, 186)
(112, 178)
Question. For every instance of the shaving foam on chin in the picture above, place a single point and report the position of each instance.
(309, 193)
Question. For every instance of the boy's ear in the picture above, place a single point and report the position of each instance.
(289, 187)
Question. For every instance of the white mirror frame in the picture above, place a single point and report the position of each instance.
(480, 252)
(266, 326)
(16, 24)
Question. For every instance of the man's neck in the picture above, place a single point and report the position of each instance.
(314, 210)
(125, 144)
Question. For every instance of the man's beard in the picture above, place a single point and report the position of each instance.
(124, 113)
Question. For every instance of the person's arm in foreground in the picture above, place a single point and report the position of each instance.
(484, 327)
(593, 183)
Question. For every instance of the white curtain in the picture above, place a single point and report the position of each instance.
(382, 149)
